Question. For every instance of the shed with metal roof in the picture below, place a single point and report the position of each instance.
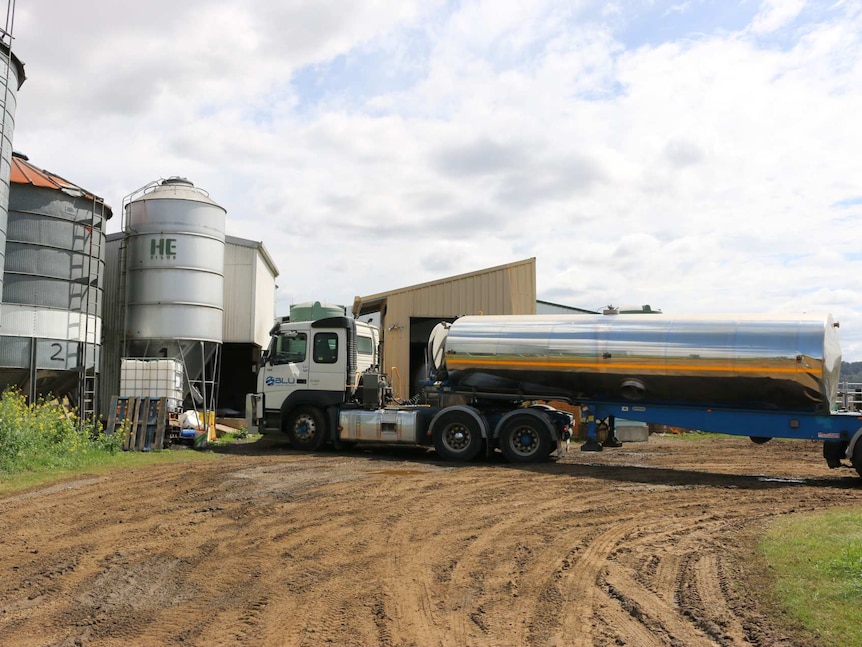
(407, 315)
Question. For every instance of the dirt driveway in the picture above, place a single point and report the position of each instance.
(650, 544)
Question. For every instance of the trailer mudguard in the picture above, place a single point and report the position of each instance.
(534, 411)
(856, 440)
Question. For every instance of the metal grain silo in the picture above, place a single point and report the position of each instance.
(11, 78)
(174, 278)
(50, 325)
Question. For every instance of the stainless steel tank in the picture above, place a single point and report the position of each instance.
(175, 264)
(174, 287)
(52, 293)
(764, 362)
(11, 78)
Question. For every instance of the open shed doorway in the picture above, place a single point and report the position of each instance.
(420, 330)
(238, 377)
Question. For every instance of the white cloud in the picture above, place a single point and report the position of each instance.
(375, 144)
(775, 14)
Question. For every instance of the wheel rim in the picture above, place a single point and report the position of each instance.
(304, 427)
(524, 440)
(456, 437)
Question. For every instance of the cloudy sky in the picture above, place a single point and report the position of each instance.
(694, 155)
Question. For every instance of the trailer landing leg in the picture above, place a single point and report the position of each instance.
(592, 445)
(833, 452)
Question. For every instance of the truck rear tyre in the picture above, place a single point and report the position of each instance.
(856, 459)
(306, 429)
(457, 436)
(525, 438)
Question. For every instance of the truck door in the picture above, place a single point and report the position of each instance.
(329, 361)
(286, 369)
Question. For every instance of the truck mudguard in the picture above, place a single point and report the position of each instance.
(470, 411)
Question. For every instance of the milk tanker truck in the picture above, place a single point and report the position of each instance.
(490, 379)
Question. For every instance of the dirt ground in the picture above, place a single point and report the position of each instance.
(649, 544)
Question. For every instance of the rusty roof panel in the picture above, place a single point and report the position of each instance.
(23, 172)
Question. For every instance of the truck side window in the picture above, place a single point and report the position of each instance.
(326, 348)
(289, 348)
(364, 345)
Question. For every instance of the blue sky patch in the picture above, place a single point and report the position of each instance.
(375, 69)
(654, 23)
(846, 203)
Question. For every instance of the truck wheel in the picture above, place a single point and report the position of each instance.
(306, 429)
(856, 460)
(457, 436)
(524, 438)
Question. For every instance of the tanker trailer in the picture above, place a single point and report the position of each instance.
(756, 362)
(761, 376)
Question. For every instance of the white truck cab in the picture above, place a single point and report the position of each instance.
(307, 356)
(309, 367)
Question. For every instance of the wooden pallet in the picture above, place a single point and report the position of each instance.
(142, 421)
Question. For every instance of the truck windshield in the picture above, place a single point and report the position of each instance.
(289, 348)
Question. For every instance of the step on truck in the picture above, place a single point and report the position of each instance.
(490, 379)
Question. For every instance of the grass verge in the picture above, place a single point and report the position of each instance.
(816, 561)
(94, 465)
(45, 441)
(232, 437)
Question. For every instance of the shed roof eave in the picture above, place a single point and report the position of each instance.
(457, 277)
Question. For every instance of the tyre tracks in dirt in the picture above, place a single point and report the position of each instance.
(632, 547)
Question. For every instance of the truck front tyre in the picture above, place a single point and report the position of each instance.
(457, 436)
(306, 429)
(525, 439)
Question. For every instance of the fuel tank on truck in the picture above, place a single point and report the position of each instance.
(782, 362)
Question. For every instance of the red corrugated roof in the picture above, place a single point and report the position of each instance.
(23, 172)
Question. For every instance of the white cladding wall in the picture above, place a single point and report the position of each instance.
(249, 295)
(264, 298)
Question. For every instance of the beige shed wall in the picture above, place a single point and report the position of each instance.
(506, 289)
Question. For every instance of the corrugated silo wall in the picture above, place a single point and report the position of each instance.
(52, 290)
(112, 324)
(11, 78)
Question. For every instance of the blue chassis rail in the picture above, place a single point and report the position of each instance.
(834, 427)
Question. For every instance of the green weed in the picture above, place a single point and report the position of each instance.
(46, 435)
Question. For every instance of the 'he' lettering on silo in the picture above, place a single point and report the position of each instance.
(164, 248)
